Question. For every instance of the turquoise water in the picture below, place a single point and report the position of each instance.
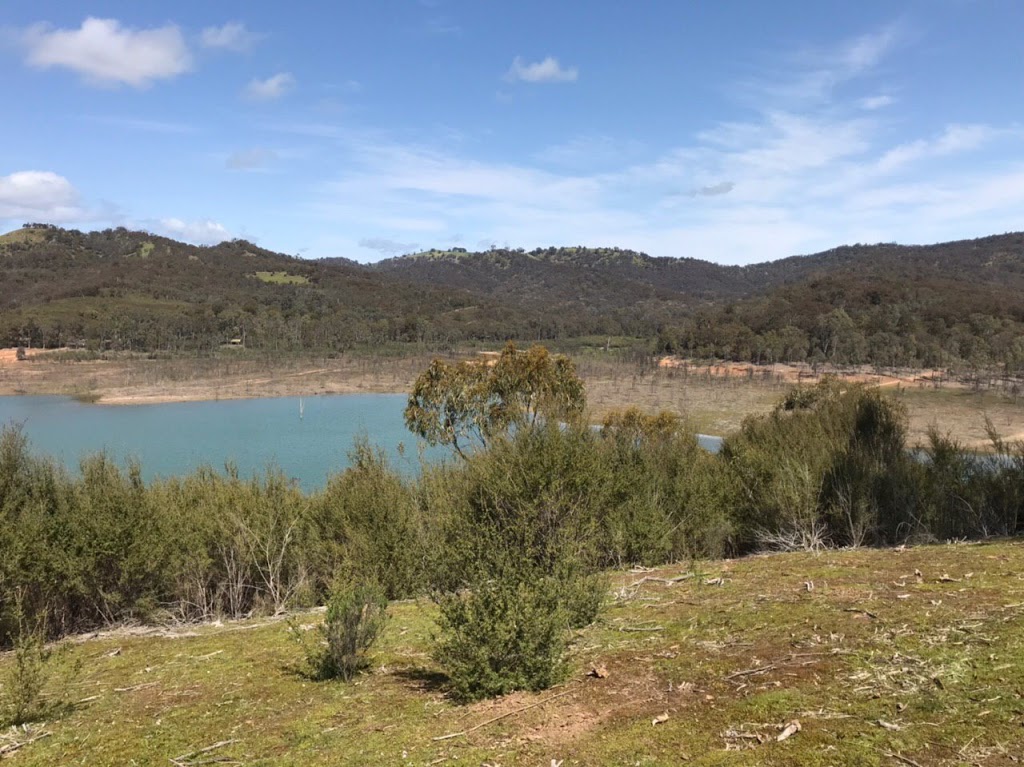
(179, 437)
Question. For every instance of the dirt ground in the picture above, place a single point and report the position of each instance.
(713, 398)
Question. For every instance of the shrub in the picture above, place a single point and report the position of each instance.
(356, 616)
(29, 673)
(503, 634)
(368, 522)
(820, 469)
(518, 569)
(666, 496)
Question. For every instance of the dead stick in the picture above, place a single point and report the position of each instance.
(451, 735)
(858, 610)
(750, 671)
(206, 750)
(904, 759)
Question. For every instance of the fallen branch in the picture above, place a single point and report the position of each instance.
(12, 747)
(641, 628)
(750, 671)
(664, 581)
(451, 735)
(904, 759)
(184, 759)
(862, 612)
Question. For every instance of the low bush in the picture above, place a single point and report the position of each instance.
(519, 563)
(356, 616)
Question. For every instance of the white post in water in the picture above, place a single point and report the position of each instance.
(302, 408)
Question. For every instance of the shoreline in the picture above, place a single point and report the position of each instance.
(713, 399)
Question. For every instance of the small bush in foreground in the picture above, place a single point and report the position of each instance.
(24, 688)
(356, 616)
(518, 566)
(503, 635)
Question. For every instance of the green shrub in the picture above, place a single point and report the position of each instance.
(356, 616)
(26, 693)
(503, 634)
(666, 496)
(518, 568)
(368, 522)
(820, 469)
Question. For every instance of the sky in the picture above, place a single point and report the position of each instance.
(730, 131)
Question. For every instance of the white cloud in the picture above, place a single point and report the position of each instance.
(272, 88)
(233, 36)
(797, 175)
(872, 103)
(865, 52)
(105, 53)
(956, 138)
(200, 232)
(546, 71)
(38, 196)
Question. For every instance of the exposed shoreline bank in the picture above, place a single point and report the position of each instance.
(713, 401)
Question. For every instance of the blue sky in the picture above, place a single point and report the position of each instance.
(730, 131)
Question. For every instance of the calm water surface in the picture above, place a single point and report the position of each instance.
(179, 437)
(176, 438)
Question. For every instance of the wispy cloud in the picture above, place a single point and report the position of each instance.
(256, 158)
(142, 124)
(386, 246)
(548, 70)
(713, 190)
(106, 53)
(271, 88)
(232, 36)
(880, 101)
(954, 139)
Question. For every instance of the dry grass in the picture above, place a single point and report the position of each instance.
(882, 656)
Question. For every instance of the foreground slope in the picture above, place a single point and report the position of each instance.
(884, 657)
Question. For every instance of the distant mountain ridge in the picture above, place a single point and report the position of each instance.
(124, 289)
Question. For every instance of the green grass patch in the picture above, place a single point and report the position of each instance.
(917, 652)
(22, 236)
(282, 278)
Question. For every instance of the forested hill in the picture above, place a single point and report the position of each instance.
(133, 290)
(949, 304)
(995, 260)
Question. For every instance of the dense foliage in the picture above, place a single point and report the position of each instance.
(509, 542)
(952, 305)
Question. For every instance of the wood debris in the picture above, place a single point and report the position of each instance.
(791, 729)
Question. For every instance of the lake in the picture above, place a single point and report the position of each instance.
(176, 438)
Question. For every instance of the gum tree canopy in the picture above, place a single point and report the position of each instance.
(471, 402)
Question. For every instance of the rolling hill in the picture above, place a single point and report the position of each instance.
(946, 304)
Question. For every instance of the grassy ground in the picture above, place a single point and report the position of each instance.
(884, 657)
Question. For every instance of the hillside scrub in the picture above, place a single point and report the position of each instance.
(510, 543)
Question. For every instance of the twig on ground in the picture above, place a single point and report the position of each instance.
(12, 747)
(451, 735)
(185, 759)
(750, 671)
(904, 759)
